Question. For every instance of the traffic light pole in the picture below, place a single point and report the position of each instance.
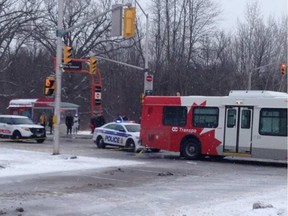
(58, 79)
(251, 71)
(146, 46)
(122, 63)
(59, 34)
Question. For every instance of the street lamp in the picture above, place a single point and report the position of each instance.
(146, 47)
(251, 71)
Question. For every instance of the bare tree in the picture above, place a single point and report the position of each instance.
(14, 17)
(180, 25)
(258, 44)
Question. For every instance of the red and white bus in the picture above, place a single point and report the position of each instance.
(245, 123)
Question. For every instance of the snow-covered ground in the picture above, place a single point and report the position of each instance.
(19, 162)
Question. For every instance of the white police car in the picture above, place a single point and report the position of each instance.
(20, 127)
(123, 134)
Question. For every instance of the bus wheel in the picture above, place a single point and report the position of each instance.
(100, 142)
(130, 145)
(191, 149)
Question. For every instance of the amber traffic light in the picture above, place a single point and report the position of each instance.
(142, 96)
(129, 22)
(67, 54)
(93, 65)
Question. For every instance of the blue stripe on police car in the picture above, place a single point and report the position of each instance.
(112, 139)
(121, 134)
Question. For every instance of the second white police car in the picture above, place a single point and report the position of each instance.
(123, 134)
(20, 127)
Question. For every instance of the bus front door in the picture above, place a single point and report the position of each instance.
(238, 129)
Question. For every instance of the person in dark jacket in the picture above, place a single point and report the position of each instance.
(69, 123)
(96, 121)
(50, 123)
(92, 123)
(100, 120)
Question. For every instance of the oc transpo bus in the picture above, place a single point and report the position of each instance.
(244, 123)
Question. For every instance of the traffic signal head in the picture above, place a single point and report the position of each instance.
(50, 86)
(67, 54)
(93, 65)
(283, 69)
(142, 96)
(129, 22)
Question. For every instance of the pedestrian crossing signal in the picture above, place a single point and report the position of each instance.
(50, 86)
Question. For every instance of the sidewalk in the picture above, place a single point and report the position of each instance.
(80, 135)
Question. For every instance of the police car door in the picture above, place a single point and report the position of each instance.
(121, 134)
(111, 136)
(109, 133)
(5, 128)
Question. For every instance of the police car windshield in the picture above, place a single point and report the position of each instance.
(133, 128)
(22, 121)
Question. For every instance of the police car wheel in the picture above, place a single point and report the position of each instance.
(130, 145)
(40, 140)
(191, 149)
(100, 142)
(16, 135)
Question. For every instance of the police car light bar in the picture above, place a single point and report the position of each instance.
(122, 121)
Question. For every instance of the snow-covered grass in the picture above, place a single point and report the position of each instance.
(23, 163)
(20, 162)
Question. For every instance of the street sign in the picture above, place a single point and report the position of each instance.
(98, 95)
(74, 65)
(148, 84)
(149, 78)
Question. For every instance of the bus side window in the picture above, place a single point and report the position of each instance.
(174, 116)
(205, 117)
(231, 121)
(246, 119)
(273, 122)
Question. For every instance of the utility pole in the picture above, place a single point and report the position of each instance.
(59, 34)
(58, 78)
(146, 46)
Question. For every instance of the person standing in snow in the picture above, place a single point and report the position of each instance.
(69, 123)
(75, 124)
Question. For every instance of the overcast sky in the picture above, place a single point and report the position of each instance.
(235, 9)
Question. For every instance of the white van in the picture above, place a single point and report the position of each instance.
(20, 127)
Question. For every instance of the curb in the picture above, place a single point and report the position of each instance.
(73, 136)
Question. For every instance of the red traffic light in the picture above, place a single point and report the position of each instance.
(283, 69)
(50, 86)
